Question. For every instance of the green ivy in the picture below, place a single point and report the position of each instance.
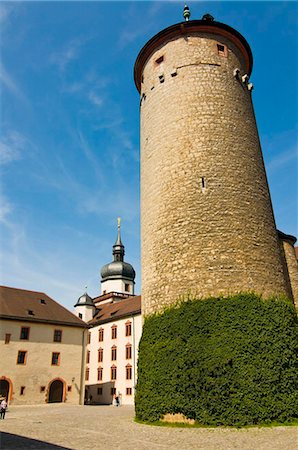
(220, 361)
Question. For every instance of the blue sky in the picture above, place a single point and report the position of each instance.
(69, 149)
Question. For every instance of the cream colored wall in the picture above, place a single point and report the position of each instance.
(86, 311)
(121, 383)
(117, 286)
(38, 370)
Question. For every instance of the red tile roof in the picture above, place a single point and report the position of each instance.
(117, 310)
(20, 304)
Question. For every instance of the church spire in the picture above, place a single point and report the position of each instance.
(118, 247)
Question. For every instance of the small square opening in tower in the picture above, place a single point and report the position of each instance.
(222, 50)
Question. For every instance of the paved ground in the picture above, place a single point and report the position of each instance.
(60, 426)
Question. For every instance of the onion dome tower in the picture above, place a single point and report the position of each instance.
(84, 307)
(207, 224)
(118, 275)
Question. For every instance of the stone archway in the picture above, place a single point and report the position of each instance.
(56, 391)
(5, 388)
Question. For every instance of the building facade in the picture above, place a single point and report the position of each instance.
(207, 224)
(115, 327)
(42, 349)
(112, 350)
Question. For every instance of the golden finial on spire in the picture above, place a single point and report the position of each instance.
(119, 222)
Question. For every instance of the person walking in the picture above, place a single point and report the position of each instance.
(117, 400)
(3, 407)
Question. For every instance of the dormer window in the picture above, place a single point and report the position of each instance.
(30, 312)
(42, 301)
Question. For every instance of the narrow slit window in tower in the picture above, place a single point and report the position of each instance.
(159, 60)
(203, 184)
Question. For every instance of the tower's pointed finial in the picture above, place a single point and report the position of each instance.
(118, 234)
(118, 247)
(186, 12)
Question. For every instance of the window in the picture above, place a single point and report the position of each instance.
(24, 335)
(99, 391)
(128, 351)
(100, 334)
(114, 332)
(113, 391)
(57, 335)
(7, 338)
(89, 337)
(100, 355)
(30, 312)
(80, 316)
(55, 359)
(126, 287)
(128, 391)
(87, 374)
(114, 353)
(128, 372)
(99, 374)
(113, 373)
(128, 329)
(69, 388)
(88, 357)
(222, 50)
(159, 60)
(22, 390)
(22, 357)
(42, 388)
(42, 301)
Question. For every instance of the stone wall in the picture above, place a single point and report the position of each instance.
(291, 267)
(207, 223)
(38, 372)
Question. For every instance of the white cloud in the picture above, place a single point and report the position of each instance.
(11, 147)
(91, 157)
(284, 158)
(8, 81)
(64, 57)
(130, 33)
(5, 208)
(95, 98)
(8, 154)
(6, 11)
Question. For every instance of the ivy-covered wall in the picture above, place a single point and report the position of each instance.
(220, 361)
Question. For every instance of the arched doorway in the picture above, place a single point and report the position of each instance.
(56, 391)
(5, 388)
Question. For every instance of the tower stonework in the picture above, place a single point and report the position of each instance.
(207, 223)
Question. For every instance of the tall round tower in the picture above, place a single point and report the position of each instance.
(206, 216)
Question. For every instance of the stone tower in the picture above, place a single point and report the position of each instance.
(206, 216)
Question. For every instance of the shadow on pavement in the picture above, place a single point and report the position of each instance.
(10, 441)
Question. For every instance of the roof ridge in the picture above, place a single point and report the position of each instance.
(19, 289)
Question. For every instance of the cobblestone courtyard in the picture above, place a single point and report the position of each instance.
(60, 426)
